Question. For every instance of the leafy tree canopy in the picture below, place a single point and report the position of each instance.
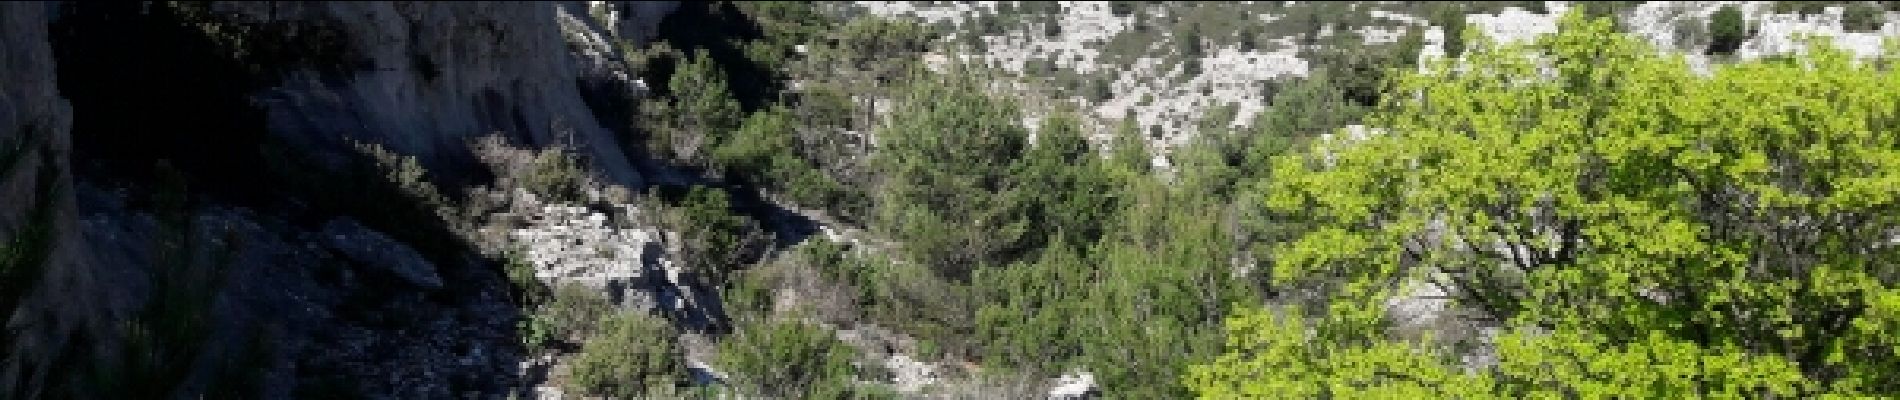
(1634, 229)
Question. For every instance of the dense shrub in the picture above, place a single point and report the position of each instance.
(713, 238)
(1615, 10)
(789, 359)
(946, 159)
(557, 176)
(1862, 16)
(1453, 24)
(1134, 308)
(634, 356)
(25, 253)
(572, 314)
(1727, 30)
(169, 335)
(698, 113)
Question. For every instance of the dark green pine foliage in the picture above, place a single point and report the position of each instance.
(948, 193)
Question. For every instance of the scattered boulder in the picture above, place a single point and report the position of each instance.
(1079, 385)
(373, 249)
(911, 375)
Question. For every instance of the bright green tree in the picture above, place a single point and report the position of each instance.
(1635, 229)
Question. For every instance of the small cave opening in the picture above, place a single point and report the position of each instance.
(172, 83)
(147, 86)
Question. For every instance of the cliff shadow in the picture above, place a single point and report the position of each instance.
(153, 84)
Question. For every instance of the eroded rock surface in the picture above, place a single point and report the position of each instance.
(36, 199)
(374, 249)
(426, 77)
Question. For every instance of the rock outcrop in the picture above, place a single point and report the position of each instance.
(611, 252)
(1080, 385)
(34, 120)
(374, 249)
(338, 325)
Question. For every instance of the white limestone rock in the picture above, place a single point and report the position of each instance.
(1078, 385)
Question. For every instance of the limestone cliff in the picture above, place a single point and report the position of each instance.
(46, 290)
(428, 76)
(345, 310)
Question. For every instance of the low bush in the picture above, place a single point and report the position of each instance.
(790, 359)
(1727, 30)
(635, 355)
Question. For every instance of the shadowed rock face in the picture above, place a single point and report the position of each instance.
(374, 249)
(47, 290)
(34, 120)
(338, 301)
(426, 77)
(336, 320)
(420, 78)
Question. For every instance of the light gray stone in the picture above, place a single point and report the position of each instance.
(374, 249)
